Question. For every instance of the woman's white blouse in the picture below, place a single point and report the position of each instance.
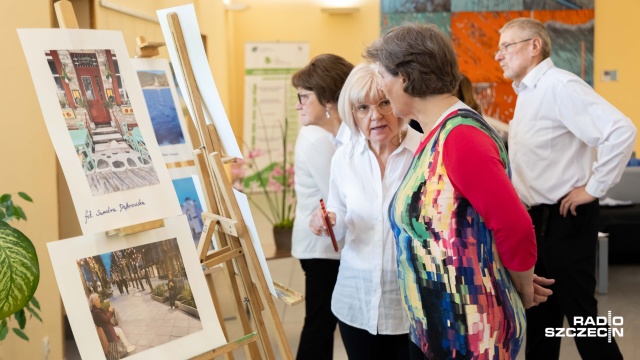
(312, 160)
(366, 294)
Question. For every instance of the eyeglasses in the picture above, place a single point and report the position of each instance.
(363, 110)
(304, 97)
(503, 49)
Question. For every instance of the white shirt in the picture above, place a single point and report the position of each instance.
(367, 295)
(564, 135)
(312, 161)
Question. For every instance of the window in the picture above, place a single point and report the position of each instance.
(88, 88)
(56, 75)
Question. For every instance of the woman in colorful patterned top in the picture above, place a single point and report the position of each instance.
(365, 174)
(465, 244)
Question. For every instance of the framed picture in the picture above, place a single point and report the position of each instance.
(107, 149)
(164, 108)
(144, 294)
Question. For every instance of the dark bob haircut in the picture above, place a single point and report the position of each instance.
(422, 54)
(324, 75)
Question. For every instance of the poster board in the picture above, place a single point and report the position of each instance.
(211, 98)
(161, 97)
(138, 312)
(270, 100)
(99, 125)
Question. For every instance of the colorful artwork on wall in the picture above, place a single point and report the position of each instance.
(474, 25)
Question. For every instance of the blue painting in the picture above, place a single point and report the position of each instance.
(188, 199)
(162, 110)
(185, 189)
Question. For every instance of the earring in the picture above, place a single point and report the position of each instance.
(327, 114)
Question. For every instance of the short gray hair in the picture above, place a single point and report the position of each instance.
(534, 29)
(362, 83)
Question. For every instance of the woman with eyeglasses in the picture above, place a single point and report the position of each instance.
(365, 174)
(318, 85)
(466, 245)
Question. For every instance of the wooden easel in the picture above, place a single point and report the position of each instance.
(225, 221)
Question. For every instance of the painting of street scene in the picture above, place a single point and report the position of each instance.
(139, 297)
(100, 120)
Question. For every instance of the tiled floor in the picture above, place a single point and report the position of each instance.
(622, 300)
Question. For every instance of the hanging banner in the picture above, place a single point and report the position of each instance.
(270, 116)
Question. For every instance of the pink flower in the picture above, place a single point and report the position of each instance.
(277, 171)
(238, 171)
(255, 153)
(290, 170)
(274, 185)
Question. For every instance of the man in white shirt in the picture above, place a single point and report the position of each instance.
(567, 146)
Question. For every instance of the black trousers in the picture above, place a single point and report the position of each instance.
(566, 253)
(361, 345)
(316, 340)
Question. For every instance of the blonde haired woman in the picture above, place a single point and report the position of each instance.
(365, 174)
(102, 319)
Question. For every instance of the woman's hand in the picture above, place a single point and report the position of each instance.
(540, 292)
(317, 225)
(523, 282)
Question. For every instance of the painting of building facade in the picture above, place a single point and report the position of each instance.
(100, 120)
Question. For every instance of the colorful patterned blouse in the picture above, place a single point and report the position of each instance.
(458, 295)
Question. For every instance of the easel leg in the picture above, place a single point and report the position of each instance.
(216, 303)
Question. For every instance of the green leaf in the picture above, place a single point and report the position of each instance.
(35, 302)
(20, 333)
(25, 196)
(5, 197)
(2, 214)
(20, 214)
(261, 177)
(10, 210)
(4, 330)
(19, 270)
(33, 313)
(21, 318)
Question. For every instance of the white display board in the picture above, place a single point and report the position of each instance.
(98, 121)
(204, 78)
(151, 325)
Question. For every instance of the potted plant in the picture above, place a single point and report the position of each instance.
(160, 293)
(19, 270)
(187, 303)
(275, 181)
